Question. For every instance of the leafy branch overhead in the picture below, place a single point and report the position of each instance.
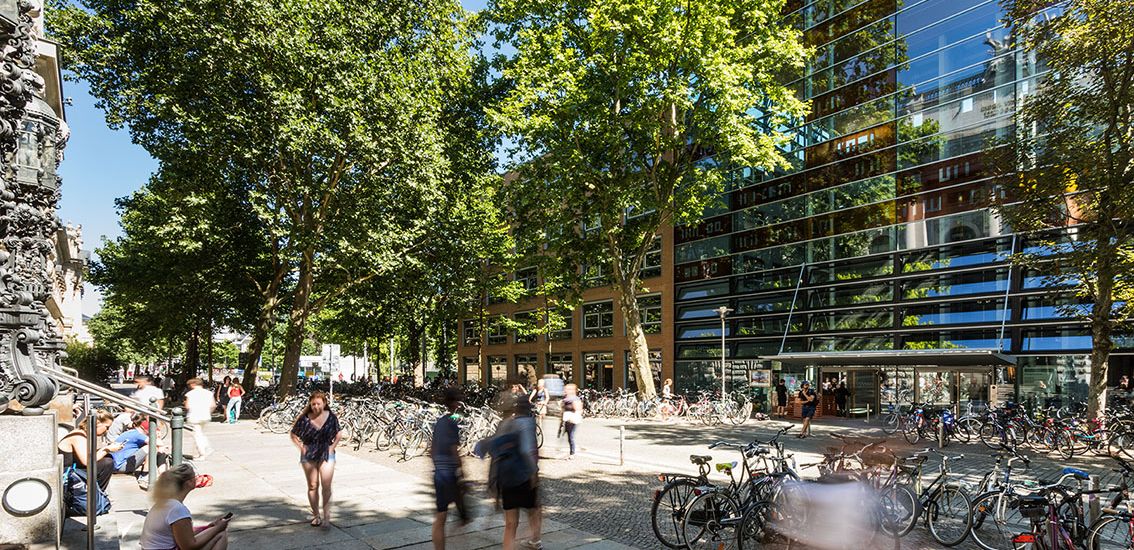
(634, 109)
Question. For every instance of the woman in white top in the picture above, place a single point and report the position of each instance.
(169, 526)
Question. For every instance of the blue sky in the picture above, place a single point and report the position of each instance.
(101, 165)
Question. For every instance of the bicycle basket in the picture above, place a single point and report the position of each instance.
(1032, 506)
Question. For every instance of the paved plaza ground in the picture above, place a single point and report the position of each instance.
(591, 502)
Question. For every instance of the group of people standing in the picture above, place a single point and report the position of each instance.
(808, 400)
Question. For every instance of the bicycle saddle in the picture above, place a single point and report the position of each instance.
(725, 466)
(1079, 474)
(700, 459)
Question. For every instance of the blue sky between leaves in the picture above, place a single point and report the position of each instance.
(101, 165)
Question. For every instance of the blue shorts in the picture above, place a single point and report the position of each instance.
(446, 485)
(808, 412)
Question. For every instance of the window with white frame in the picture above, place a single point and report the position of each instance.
(497, 332)
(598, 319)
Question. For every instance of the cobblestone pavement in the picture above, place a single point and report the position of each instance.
(596, 494)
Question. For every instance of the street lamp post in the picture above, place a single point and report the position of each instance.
(723, 311)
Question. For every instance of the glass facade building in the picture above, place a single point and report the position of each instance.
(880, 236)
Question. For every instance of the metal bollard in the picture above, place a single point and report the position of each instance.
(92, 471)
(621, 440)
(1093, 501)
(151, 459)
(176, 428)
(941, 434)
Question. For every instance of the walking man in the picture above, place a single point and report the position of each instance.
(199, 403)
(447, 467)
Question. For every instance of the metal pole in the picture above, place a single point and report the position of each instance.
(621, 441)
(176, 429)
(1093, 501)
(723, 372)
(152, 455)
(941, 434)
(92, 471)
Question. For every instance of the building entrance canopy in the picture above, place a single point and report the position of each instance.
(920, 357)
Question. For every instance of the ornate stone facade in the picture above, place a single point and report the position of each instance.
(32, 137)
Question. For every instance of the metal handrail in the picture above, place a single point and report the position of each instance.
(108, 395)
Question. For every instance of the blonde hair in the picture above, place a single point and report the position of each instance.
(169, 483)
(102, 416)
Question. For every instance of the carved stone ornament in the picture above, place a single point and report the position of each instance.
(31, 138)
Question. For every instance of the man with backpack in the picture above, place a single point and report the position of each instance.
(514, 472)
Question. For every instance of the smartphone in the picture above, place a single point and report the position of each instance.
(228, 515)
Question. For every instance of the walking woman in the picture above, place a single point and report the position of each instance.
(169, 525)
(808, 401)
(316, 435)
(539, 398)
(235, 396)
(572, 415)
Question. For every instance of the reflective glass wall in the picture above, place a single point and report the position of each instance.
(880, 236)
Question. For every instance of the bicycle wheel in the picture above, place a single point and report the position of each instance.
(966, 429)
(891, 423)
(756, 530)
(710, 522)
(1110, 533)
(538, 435)
(899, 509)
(911, 431)
(1066, 445)
(991, 434)
(668, 510)
(414, 445)
(996, 520)
(948, 515)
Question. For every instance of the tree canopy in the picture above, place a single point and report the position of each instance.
(624, 117)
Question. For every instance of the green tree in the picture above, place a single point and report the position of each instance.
(330, 111)
(1069, 168)
(630, 109)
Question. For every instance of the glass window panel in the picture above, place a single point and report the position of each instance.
(953, 340)
(701, 250)
(852, 344)
(699, 311)
(598, 370)
(847, 271)
(598, 319)
(527, 367)
(957, 56)
(497, 331)
(471, 332)
(850, 295)
(700, 331)
(692, 292)
(650, 310)
(768, 304)
(951, 29)
(952, 144)
(1056, 339)
(955, 313)
(655, 369)
(961, 255)
(957, 284)
(767, 326)
(472, 370)
(565, 331)
(497, 370)
(932, 11)
(562, 364)
(1054, 381)
(526, 333)
(881, 318)
(1052, 307)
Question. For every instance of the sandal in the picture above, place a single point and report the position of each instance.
(316, 521)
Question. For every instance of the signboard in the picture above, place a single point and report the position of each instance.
(761, 378)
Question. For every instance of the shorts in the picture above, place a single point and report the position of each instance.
(808, 412)
(448, 489)
(520, 496)
(781, 401)
(330, 458)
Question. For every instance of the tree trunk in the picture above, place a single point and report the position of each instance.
(209, 351)
(256, 347)
(415, 352)
(636, 336)
(192, 356)
(296, 324)
(1101, 341)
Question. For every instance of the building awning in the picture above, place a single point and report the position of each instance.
(905, 357)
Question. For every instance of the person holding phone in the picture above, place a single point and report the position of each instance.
(808, 402)
(169, 525)
(73, 447)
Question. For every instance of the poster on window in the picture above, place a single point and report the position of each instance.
(761, 378)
